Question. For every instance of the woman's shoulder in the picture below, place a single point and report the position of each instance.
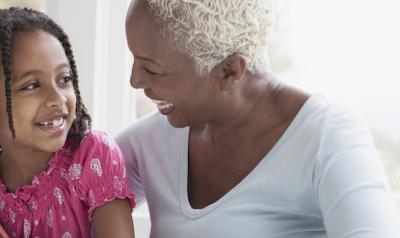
(151, 125)
(333, 126)
(329, 124)
(148, 122)
(339, 119)
(325, 115)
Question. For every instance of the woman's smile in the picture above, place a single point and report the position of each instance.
(164, 107)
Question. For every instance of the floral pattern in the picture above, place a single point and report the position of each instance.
(50, 218)
(2, 204)
(58, 195)
(95, 165)
(27, 229)
(70, 184)
(67, 235)
(75, 171)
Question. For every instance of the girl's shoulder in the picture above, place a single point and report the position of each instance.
(100, 138)
(95, 144)
(97, 140)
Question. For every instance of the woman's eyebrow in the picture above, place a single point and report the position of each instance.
(148, 59)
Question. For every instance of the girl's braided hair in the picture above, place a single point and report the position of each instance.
(14, 21)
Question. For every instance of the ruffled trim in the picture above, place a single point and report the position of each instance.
(108, 193)
(42, 183)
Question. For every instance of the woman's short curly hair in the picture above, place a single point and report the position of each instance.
(211, 30)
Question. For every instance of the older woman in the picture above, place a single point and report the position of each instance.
(233, 151)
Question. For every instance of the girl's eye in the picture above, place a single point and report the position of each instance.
(31, 86)
(149, 71)
(64, 80)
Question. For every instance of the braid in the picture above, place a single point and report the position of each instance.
(83, 121)
(79, 126)
(17, 20)
(6, 35)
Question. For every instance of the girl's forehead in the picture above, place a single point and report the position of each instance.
(36, 49)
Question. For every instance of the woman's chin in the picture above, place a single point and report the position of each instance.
(177, 123)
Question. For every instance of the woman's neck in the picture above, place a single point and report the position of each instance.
(260, 107)
(251, 108)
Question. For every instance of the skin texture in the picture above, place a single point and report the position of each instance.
(113, 219)
(41, 88)
(235, 117)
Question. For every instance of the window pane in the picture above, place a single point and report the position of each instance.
(35, 4)
(320, 52)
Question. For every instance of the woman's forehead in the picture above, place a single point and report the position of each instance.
(143, 34)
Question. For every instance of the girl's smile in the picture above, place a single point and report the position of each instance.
(54, 124)
(43, 97)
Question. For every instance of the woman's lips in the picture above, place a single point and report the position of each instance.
(164, 107)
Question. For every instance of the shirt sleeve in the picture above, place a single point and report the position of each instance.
(352, 188)
(125, 141)
(103, 174)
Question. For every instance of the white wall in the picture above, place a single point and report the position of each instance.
(97, 34)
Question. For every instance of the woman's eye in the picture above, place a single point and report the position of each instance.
(149, 71)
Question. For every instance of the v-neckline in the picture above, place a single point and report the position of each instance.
(184, 203)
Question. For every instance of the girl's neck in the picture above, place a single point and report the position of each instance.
(18, 168)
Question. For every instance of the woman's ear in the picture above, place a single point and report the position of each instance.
(230, 72)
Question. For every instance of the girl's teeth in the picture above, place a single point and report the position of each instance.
(55, 123)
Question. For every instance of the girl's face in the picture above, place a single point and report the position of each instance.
(43, 98)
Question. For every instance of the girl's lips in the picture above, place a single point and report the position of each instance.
(55, 122)
(52, 117)
(53, 128)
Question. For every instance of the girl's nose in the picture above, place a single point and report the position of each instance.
(55, 98)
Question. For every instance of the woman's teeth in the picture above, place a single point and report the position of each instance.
(163, 104)
(54, 123)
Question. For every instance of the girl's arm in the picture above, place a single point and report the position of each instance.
(3, 234)
(100, 181)
(113, 219)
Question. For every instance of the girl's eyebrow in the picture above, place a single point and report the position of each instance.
(36, 71)
(27, 73)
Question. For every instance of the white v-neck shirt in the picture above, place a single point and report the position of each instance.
(323, 178)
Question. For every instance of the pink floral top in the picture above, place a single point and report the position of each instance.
(61, 200)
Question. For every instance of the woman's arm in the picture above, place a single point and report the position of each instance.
(351, 185)
(113, 219)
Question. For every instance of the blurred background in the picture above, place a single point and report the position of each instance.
(346, 50)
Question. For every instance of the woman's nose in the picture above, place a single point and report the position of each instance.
(136, 80)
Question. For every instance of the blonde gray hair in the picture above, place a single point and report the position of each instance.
(212, 30)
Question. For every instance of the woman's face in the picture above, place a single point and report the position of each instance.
(166, 74)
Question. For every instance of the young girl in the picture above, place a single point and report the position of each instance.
(58, 179)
